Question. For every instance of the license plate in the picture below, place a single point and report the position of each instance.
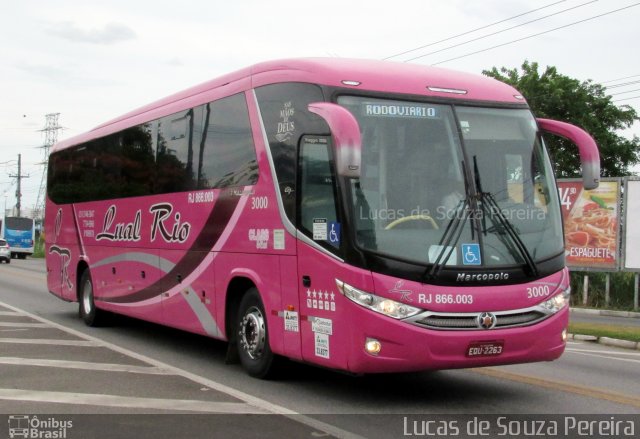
(485, 349)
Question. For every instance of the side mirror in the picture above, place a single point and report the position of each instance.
(589, 155)
(347, 143)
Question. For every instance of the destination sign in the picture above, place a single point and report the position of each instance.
(395, 110)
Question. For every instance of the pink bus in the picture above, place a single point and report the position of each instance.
(363, 216)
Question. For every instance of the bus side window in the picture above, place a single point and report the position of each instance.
(137, 159)
(227, 153)
(175, 153)
(283, 108)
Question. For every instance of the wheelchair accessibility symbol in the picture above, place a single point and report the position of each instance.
(471, 254)
(334, 233)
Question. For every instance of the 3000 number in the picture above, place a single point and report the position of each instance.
(259, 203)
(539, 291)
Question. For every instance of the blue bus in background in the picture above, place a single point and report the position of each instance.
(19, 232)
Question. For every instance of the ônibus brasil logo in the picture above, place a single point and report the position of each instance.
(31, 427)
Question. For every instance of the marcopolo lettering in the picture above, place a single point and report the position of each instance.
(466, 277)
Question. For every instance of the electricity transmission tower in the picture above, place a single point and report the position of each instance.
(50, 131)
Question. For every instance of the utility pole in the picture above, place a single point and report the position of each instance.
(19, 178)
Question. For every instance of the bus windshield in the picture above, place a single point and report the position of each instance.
(19, 223)
(453, 185)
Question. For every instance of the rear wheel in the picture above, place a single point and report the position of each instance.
(253, 336)
(88, 311)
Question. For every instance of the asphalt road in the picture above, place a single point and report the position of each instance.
(137, 379)
(581, 316)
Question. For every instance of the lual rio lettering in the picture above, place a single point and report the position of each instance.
(176, 232)
(165, 224)
(119, 231)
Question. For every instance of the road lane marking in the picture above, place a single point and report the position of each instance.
(629, 360)
(47, 341)
(9, 313)
(24, 274)
(66, 364)
(129, 402)
(594, 351)
(23, 325)
(261, 404)
(590, 392)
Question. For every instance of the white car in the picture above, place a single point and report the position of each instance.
(5, 251)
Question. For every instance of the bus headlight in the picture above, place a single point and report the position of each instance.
(381, 305)
(556, 303)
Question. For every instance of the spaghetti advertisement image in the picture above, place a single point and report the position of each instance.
(591, 219)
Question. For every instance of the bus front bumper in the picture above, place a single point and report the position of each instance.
(405, 347)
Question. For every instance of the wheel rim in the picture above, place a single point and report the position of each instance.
(87, 298)
(253, 333)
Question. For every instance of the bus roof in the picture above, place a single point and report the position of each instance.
(371, 75)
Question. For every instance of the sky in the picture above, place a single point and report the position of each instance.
(92, 60)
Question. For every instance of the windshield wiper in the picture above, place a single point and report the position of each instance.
(449, 239)
(453, 231)
(507, 229)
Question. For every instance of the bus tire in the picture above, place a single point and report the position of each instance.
(252, 334)
(87, 307)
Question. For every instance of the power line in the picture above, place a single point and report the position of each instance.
(627, 99)
(624, 84)
(537, 34)
(473, 30)
(619, 79)
(623, 92)
(500, 31)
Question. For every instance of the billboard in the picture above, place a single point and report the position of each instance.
(631, 224)
(591, 224)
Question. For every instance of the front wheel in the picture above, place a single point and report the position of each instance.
(88, 311)
(253, 336)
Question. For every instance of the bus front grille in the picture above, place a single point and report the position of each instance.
(469, 321)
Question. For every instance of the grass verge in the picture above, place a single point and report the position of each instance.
(600, 330)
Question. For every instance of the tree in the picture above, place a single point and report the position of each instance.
(585, 104)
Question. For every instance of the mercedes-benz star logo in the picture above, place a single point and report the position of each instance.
(486, 320)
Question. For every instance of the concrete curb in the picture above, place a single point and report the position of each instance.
(607, 341)
(606, 312)
(625, 344)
